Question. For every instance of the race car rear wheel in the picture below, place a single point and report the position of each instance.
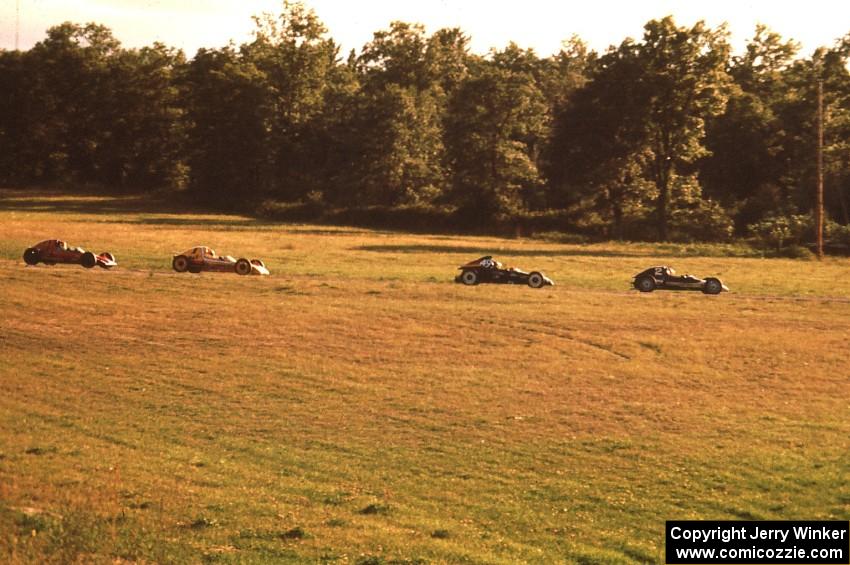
(180, 264)
(645, 284)
(712, 286)
(243, 267)
(535, 280)
(469, 278)
(31, 256)
(88, 260)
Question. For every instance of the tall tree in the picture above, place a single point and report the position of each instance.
(642, 117)
(228, 127)
(686, 83)
(21, 132)
(146, 148)
(837, 158)
(746, 166)
(448, 59)
(398, 56)
(332, 137)
(72, 81)
(295, 59)
(799, 115)
(495, 121)
(400, 145)
(598, 157)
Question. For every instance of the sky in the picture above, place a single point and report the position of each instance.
(539, 24)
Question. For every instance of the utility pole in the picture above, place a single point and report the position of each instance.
(820, 172)
(17, 23)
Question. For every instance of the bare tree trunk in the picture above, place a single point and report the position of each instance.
(842, 198)
(662, 183)
(617, 224)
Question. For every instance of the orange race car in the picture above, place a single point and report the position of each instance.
(203, 258)
(52, 251)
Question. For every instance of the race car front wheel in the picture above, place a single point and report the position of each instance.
(89, 260)
(31, 256)
(469, 278)
(243, 267)
(180, 264)
(712, 286)
(645, 284)
(535, 280)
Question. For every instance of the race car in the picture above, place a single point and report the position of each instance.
(202, 258)
(665, 278)
(488, 270)
(52, 251)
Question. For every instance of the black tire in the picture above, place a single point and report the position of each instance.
(712, 286)
(88, 260)
(645, 284)
(243, 267)
(180, 264)
(536, 280)
(31, 256)
(469, 278)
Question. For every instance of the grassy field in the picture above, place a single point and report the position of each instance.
(359, 407)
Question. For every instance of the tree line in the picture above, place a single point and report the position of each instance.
(669, 137)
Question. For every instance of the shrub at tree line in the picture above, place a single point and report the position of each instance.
(669, 137)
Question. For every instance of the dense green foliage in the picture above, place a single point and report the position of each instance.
(669, 137)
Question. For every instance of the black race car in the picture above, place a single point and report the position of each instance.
(666, 278)
(488, 270)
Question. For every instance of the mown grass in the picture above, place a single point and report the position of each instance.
(358, 406)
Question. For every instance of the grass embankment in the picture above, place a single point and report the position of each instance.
(359, 406)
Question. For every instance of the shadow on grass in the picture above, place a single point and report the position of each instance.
(105, 205)
(481, 251)
(159, 210)
(44, 201)
(296, 229)
(162, 211)
(195, 222)
(239, 222)
(100, 208)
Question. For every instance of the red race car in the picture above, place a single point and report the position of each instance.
(203, 258)
(52, 251)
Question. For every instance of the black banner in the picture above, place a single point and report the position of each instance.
(695, 542)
